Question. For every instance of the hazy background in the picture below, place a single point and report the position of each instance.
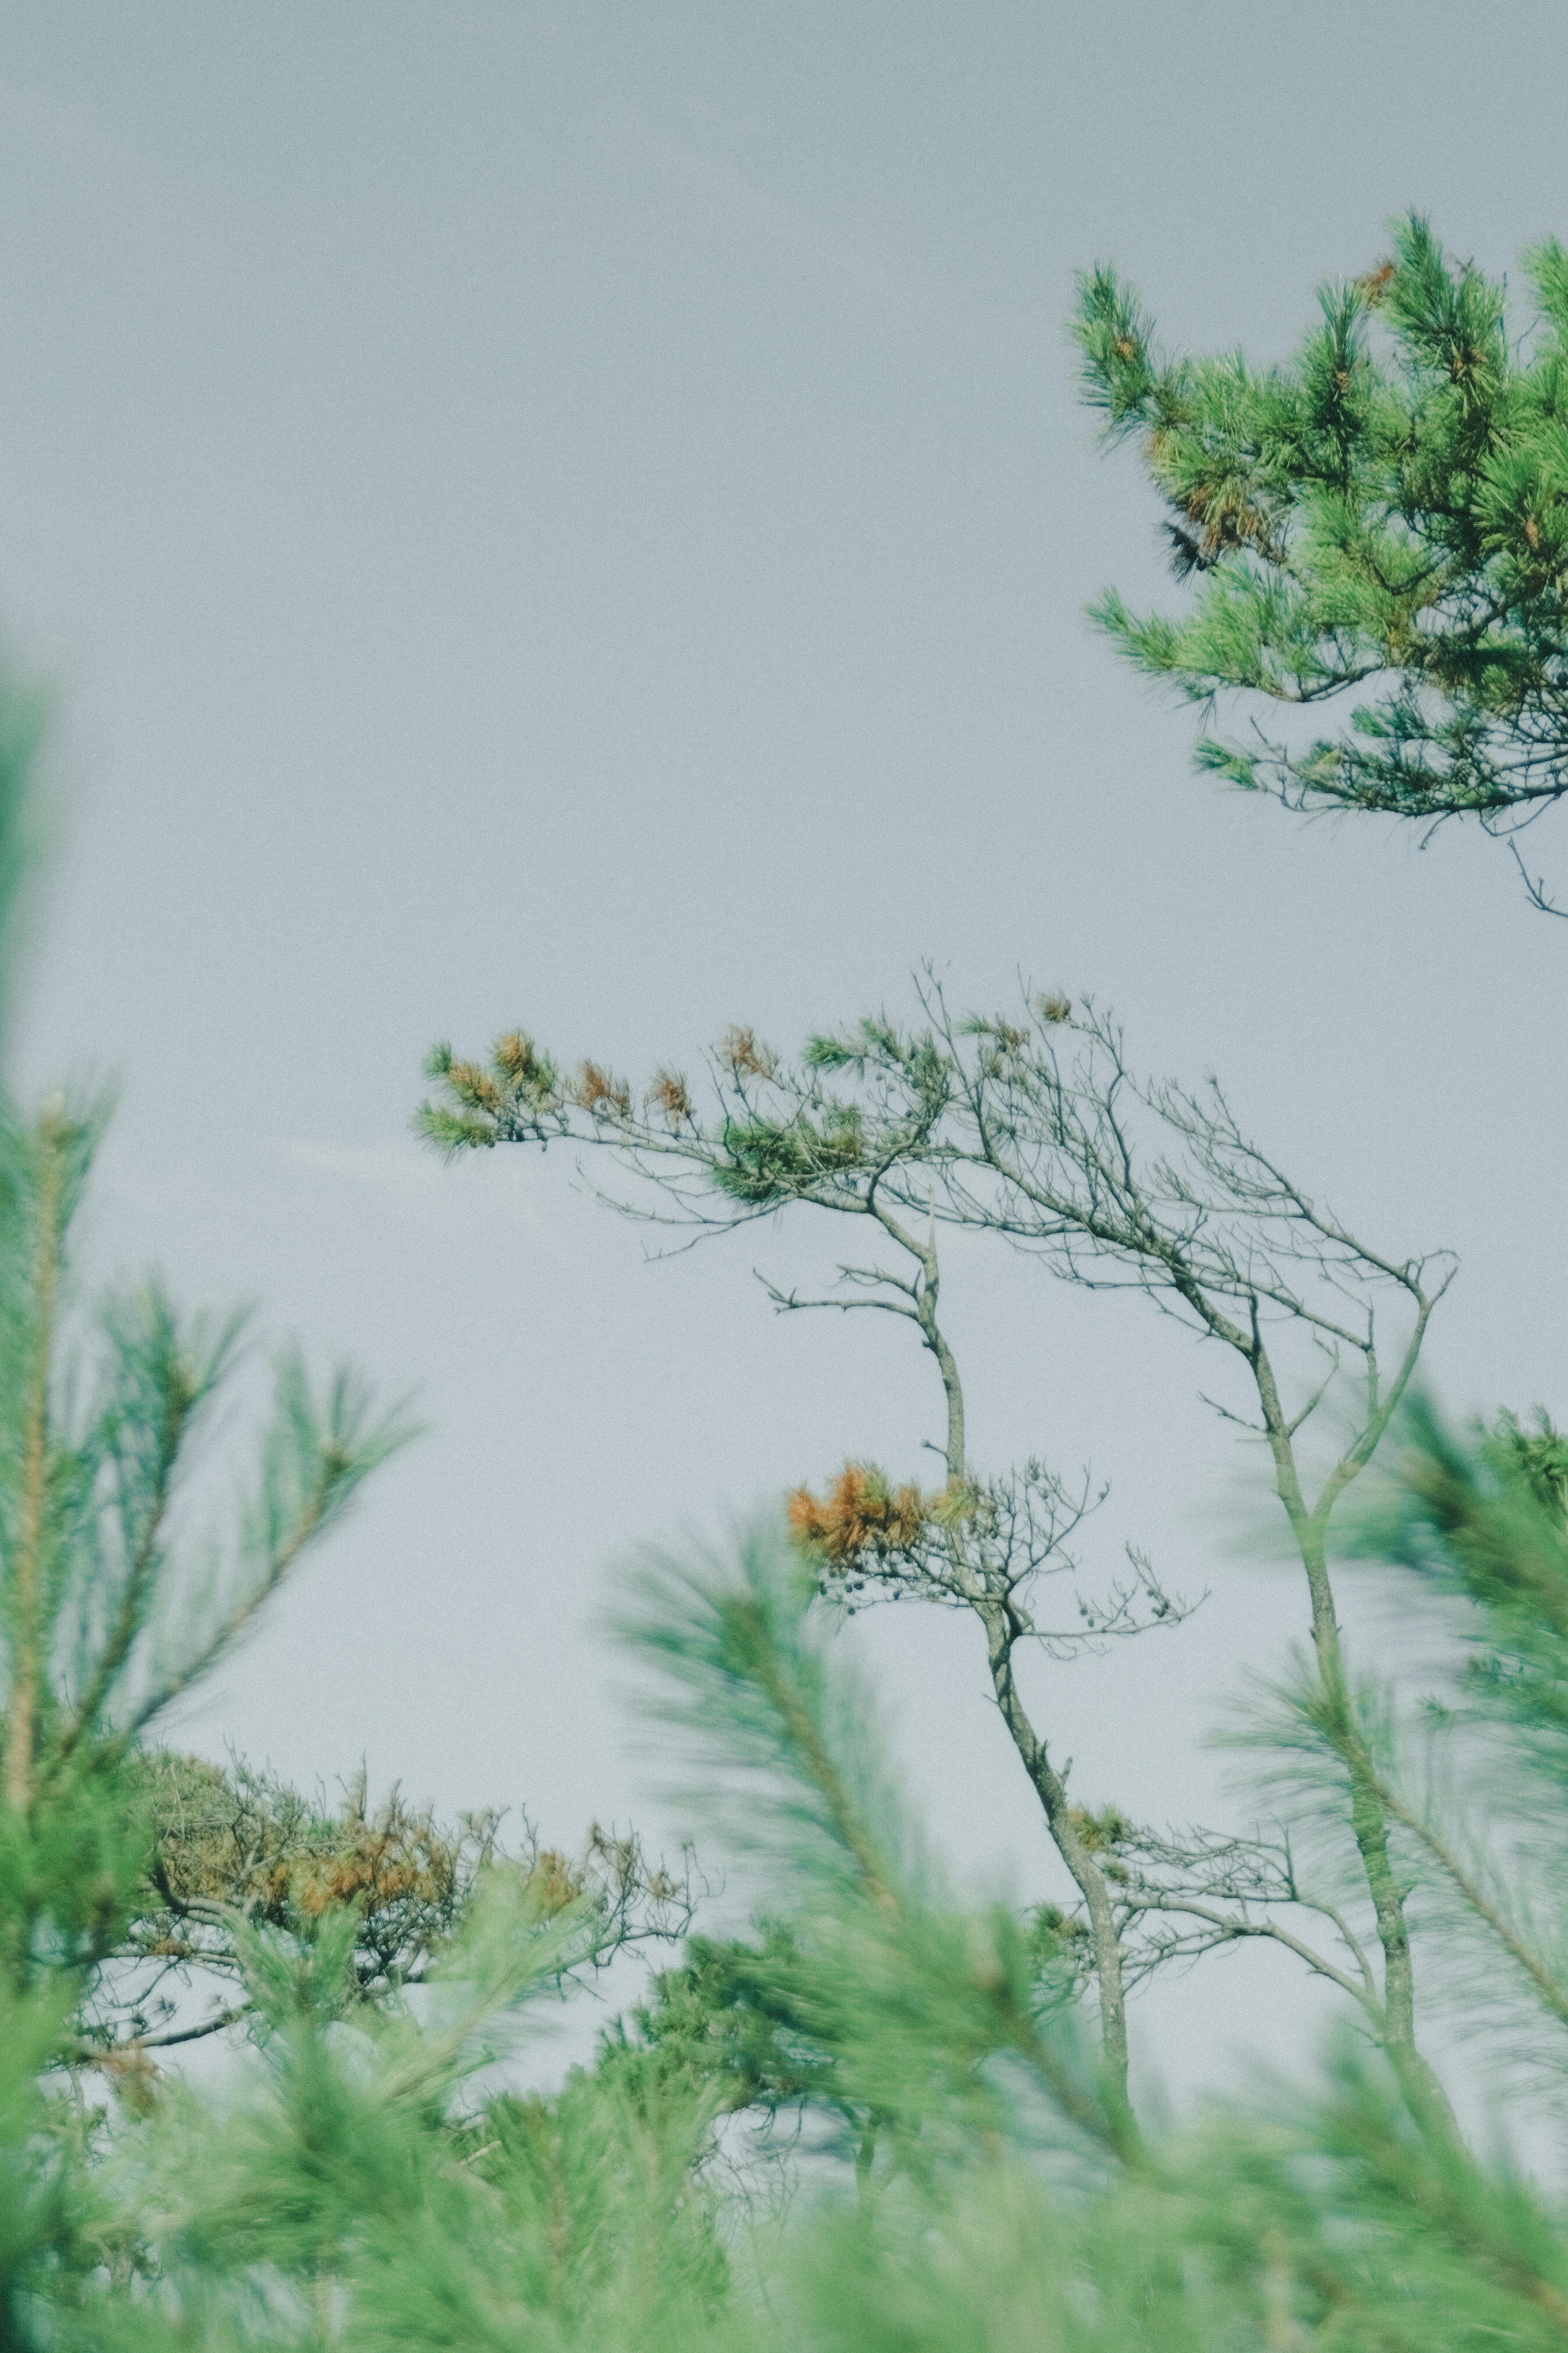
(580, 516)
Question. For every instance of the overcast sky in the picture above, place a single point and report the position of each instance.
(579, 515)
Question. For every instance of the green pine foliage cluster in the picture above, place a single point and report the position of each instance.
(1384, 518)
(877, 2115)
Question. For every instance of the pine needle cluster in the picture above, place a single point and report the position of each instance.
(1381, 518)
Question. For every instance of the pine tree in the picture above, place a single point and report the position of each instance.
(1381, 519)
(1032, 1126)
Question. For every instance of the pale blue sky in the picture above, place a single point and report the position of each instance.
(580, 515)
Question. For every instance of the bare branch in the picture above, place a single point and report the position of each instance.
(1535, 891)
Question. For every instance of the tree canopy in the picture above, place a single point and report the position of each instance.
(1381, 519)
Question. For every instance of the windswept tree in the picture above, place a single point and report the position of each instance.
(1380, 521)
(1034, 1128)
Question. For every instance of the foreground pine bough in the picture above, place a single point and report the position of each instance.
(969, 2178)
